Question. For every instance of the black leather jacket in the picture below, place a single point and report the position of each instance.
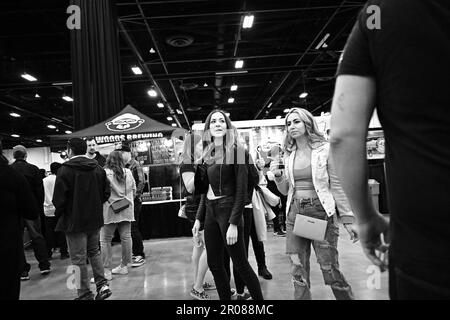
(228, 179)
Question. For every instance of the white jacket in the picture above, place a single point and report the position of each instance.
(49, 187)
(325, 182)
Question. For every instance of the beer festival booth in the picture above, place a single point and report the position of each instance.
(156, 146)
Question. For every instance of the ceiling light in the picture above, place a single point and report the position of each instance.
(179, 112)
(68, 132)
(160, 105)
(248, 21)
(230, 100)
(270, 104)
(286, 110)
(325, 45)
(136, 70)
(322, 41)
(234, 87)
(278, 117)
(222, 73)
(152, 93)
(152, 50)
(15, 136)
(303, 95)
(38, 140)
(239, 64)
(61, 83)
(37, 96)
(267, 111)
(15, 115)
(174, 124)
(28, 77)
(169, 118)
(67, 98)
(205, 84)
(50, 126)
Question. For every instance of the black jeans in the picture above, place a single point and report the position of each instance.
(258, 248)
(216, 226)
(416, 281)
(38, 244)
(138, 246)
(54, 238)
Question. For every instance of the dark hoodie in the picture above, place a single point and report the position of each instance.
(81, 188)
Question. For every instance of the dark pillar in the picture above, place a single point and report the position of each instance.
(96, 73)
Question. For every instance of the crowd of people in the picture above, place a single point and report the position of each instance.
(91, 199)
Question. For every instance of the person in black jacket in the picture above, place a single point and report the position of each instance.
(81, 188)
(16, 203)
(227, 180)
(92, 152)
(34, 179)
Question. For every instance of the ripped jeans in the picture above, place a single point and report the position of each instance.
(299, 250)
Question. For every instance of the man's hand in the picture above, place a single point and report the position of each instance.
(375, 239)
(232, 234)
(351, 231)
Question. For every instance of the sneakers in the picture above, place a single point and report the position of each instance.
(45, 271)
(120, 270)
(137, 261)
(103, 293)
(199, 295)
(233, 294)
(24, 276)
(106, 273)
(208, 286)
(280, 233)
(244, 296)
(263, 272)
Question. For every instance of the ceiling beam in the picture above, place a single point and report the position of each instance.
(158, 51)
(285, 77)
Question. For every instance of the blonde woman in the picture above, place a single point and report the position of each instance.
(312, 189)
(122, 186)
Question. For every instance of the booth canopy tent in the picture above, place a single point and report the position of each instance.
(127, 125)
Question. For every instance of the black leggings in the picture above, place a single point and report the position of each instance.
(258, 248)
(216, 227)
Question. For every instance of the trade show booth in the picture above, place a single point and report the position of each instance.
(156, 146)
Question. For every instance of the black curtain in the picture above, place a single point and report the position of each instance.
(96, 74)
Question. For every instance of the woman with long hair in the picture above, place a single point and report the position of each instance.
(312, 188)
(191, 156)
(226, 177)
(123, 186)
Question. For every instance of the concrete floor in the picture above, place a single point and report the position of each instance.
(167, 274)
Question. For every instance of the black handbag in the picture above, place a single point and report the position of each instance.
(119, 205)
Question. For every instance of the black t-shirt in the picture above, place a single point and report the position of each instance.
(409, 58)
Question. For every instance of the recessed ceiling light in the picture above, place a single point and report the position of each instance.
(286, 110)
(50, 126)
(205, 84)
(234, 87)
(15, 136)
(15, 115)
(28, 77)
(152, 50)
(160, 105)
(169, 118)
(174, 124)
(248, 21)
(270, 104)
(152, 93)
(68, 132)
(67, 98)
(303, 95)
(38, 140)
(37, 96)
(136, 70)
(179, 112)
(239, 64)
(278, 117)
(230, 100)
